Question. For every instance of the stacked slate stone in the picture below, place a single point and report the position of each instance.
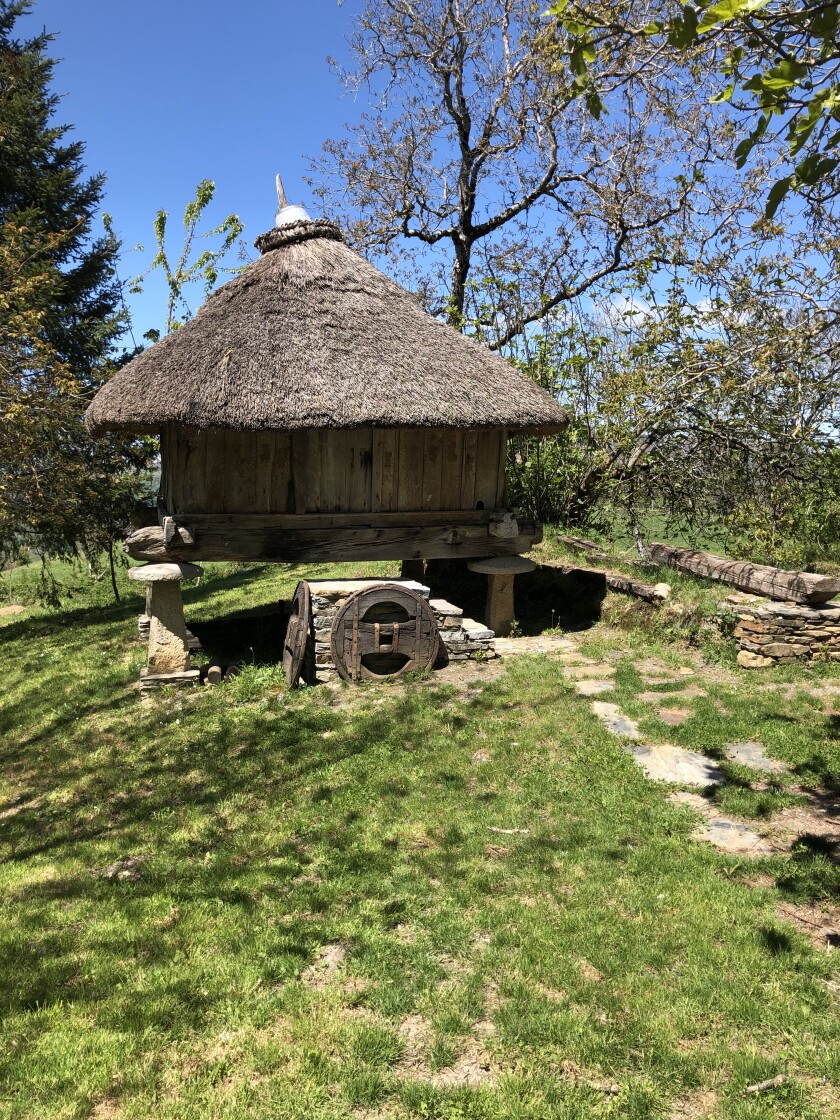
(782, 633)
(144, 622)
(463, 638)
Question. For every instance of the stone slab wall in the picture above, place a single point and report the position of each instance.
(779, 633)
(463, 638)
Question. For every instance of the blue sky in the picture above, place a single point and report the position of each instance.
(165, 93)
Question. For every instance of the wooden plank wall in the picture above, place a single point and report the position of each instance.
(363, 470)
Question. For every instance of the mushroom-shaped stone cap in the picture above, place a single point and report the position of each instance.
(502, 565)
(159, 573)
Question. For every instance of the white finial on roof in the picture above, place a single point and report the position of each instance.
(287, 214)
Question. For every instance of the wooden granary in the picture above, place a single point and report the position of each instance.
(313, 411)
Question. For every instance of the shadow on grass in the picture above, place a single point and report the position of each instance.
(813, 871)
(158, 797)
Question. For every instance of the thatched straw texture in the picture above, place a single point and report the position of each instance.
(312, 336)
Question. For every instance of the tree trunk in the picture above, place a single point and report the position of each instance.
(801, 587)
(458, 287)
(113, 571)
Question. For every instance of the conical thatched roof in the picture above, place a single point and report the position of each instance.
(310, 336)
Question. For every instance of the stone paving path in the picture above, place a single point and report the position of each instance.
(665, 762)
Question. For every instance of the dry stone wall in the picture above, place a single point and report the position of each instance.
(780, 633)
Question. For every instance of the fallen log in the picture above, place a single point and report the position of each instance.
(800, 587)
(652, 593)
(580, 544)
(616, 581)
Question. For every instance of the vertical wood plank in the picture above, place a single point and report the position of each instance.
(214, 470)
(468, 470)
(300, 462)
(359, 444)
(189, 489)
(487, 467)
(501, 481)
(410, 470)
(166, 450)
(313, 470)
(333, 470)
(282, 495)
(450, 471)
(265, 445)
(432, 457)
(376, 445)
(390, 468)
(240, 472)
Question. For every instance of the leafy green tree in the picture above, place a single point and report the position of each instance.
(61, 317)
(779, 62)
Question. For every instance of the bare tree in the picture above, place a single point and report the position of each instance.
(477, 146)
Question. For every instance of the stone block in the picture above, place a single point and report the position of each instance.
(748, 660)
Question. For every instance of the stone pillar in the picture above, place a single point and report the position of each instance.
(169, 654)
(500, 570)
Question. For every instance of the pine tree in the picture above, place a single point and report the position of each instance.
(60, 319)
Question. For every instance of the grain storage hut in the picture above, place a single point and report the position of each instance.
(313, 411)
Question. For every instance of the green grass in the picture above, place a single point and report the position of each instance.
(315, 919)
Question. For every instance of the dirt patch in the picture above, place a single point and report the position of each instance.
(589, 1078)
(417, 1036)
(15, 608)
(819, 817)
(821, 925)
(471, 1069)
(106, 1109)
(696, 1106)
(590, 972)
(326, 967)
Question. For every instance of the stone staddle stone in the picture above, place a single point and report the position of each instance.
(500, 570)
(168, 649)
(162, 573)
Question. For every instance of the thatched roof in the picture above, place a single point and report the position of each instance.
(313, 336)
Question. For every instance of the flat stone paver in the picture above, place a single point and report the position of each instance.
(664, 762)
(675, 717)
(725, 834)
(615, 720)
(593, 687)
(579, 672)
(544, 643)
(753, 754)
(733, 836)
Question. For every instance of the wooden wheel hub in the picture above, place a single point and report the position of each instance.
(383, 631)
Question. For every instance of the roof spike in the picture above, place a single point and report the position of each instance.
(286, 214)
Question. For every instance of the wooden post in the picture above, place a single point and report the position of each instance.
(499, 612)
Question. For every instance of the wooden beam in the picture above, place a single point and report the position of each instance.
(800, 587)
(230, 539)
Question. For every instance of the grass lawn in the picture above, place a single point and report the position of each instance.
(407, 901)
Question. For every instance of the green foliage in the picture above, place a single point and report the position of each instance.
(183, 272)
(169, 878)
(60, 318)
(780, 61)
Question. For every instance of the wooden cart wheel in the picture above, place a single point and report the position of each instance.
(383, 631)
(299, 643)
